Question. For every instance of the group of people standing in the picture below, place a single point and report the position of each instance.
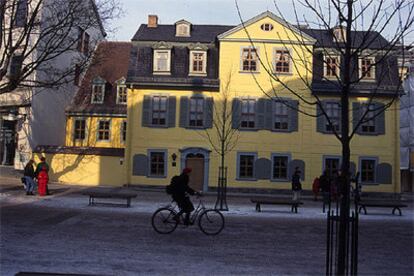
(41, 173)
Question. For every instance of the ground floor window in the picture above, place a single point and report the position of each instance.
(246, 165)
(157, 163)
(280, 164)
(367, 169)
(331, 164)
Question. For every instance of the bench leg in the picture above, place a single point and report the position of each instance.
(90, 200)
(396, 208)
(128, 202)
(258, 207)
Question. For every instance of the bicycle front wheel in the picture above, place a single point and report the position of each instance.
(211, 222)
(163, 221)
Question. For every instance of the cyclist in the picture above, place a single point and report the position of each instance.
(180, 193)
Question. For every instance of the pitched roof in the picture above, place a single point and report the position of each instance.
(110, 62)
(199, 33)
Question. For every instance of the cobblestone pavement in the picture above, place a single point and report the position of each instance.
(61, 234)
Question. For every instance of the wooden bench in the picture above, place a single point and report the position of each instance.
(395, 204)
(276, 201)
(117, 193)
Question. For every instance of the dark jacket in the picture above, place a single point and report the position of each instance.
(325, 183)
(181, 187)
(40, 166)
(29, 171)
(296, 185)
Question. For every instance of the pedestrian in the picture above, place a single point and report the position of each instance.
(315, 188)
(180, 192)
(39, 168)
(42, 180)
(325, 184)
(296, 185)
(29, 175)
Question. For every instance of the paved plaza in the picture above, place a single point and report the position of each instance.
(62, 234)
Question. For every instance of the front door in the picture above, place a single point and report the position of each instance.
(196, 163)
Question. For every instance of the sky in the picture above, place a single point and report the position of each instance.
(217, 12)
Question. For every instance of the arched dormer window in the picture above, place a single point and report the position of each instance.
(121, 91)
(339, 34)
(182, 28)
(98, 90)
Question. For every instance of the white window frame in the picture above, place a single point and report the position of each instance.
(118, 89)
(242, 59)
(372, 69)
(196, 112)
(370, 115)
(282, 117)
(182, 30)
(331, 116)
(274, 61)
(204, 67)
(156, 71)
(248, 113)
(159, 111)
(338, 66)
(98, 129)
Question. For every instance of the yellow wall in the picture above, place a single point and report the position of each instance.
(91, 170)
(91, 132)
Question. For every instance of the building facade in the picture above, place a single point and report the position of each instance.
(177, 77)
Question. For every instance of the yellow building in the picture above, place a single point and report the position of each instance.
(179, 73)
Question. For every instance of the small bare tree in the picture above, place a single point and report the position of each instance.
(34, 33)
(355, 28)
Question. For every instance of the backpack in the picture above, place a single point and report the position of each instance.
(169, 189)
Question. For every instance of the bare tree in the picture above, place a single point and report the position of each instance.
(222, 137)
(355, 29)
(34, 33)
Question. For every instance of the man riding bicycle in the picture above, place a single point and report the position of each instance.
(180, 193)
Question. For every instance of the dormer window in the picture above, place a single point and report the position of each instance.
(98, 90)
(198, 62)
(162, 58)
(182, 28)
(331, 66)
(367, 68)
(121, 92)
(339, 34)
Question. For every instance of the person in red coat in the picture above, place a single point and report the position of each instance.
(315, 188)
(42, 180)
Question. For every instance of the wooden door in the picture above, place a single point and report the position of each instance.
(197, 175)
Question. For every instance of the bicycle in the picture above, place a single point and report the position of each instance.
(210, 221)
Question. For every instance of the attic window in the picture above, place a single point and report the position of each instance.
(182, 29)
(339, 34)
(266, 27)
(98, 90)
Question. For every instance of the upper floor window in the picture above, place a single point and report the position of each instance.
(196, 112)
(159, 110)
(282, 61)
(83, 41)
(250, 60)
(162, 60)
(20, 19)
(368, 124)
(333, 110)
(281, 116)
(104, 130)
(248, 113)
(198, 62)
(266, 27)
(79, 130)
(367, 68)
(121, 94)
(331, 67)
(123, 131)
(98, 90)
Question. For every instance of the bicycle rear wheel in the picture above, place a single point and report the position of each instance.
(163, 221)
(211, 222)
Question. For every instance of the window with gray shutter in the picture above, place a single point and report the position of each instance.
(184, 108)
(146, 111)
(248, 114)
(235, 110)
(281, 115)
(139, 165)
(333, 111)
(246, 166)
(196, 112)
(260, 113)
(209, 112)
(293, 115)
(367, 169)
(280, 167)
(159, 110)
(262, 168)
(380, 119)
(171, 111)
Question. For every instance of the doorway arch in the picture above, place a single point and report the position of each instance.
(197, 155)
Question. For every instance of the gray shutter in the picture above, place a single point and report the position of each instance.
(262, 168)
(380, 119)
(383, 173)
(260, 113)
(297, 163)
(320, 120)
(146, 111)
(340, 117)
(184, 109)
(171, 111)
(356, 115)
(269, 115)
(236, 113)
(140, 165)
(208, 111)
(293, 115)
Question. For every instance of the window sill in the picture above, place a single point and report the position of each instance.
(368, 80)
(156, 176)
(246, 179)
(197, 74)
(248, 129)
(161, 73)
(283, 73)
(284, 180)
(281, 130)
(249, 72)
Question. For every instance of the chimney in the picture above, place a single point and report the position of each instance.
(152, 21)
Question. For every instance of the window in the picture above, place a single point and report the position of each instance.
(196, 112)
(280, 167)
(333, 111)
(367, 68)
(367, 169)
(368, 124)
(282, 61)
(121, 94)
(331, 164)
(98, 93)
(249, 60)
(20, 19)
(162, 61)
(266, 27)
(332, 67)
(159, 110)
(103, 130)
(198, 62)
(281, 116)
(123, 131)
(339, 34)
(248, 114)
(157, 163)
(246, 165)
(15, 66)
(183, 30)
(83, 41)
(79, 129)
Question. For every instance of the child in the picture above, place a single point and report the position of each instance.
(42, 180)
